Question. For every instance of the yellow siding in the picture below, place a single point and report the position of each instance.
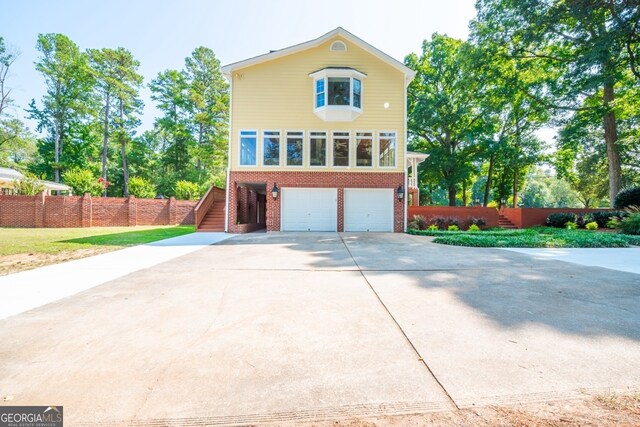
(279, 95)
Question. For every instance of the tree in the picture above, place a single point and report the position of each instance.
(208, 95)
(446, 111)
(83, 181)
(585, 42)
(69, 93)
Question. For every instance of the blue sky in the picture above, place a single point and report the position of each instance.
(161, 33)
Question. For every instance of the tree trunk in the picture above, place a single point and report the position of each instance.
(515, 187)
(452, 194)
(56, 153)
(464, 192)
(487, 186)
(105, 144)
(123, 142)
(611, 140)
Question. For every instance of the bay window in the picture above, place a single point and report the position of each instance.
(337, 93)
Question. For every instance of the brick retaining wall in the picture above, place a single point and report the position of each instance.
(86, 211)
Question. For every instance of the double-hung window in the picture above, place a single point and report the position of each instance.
(364, 149)
(387, 149)
(341, 149)
(317, 149)
(248, 146)
(271, 148)
(295, 143)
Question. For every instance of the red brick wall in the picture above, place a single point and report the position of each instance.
(87, 211)
(529, 217)
(463, 213)
(339, 180)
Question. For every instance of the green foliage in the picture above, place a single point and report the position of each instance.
(603, 217)
(569, 225)
(630, 224)
(187, 190)
(473, 228)
(83, 181)
(141, 188)
(591, 225)
(613, 223)
(627, 197)
(29, 185)
(560, 219)
(453, 227)
(432, 227)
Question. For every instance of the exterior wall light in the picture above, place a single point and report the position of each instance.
(274, 191)
(400, 193)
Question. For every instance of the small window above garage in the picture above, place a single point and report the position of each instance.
(337, 93)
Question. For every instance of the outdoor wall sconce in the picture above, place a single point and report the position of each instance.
(400, 193)
(274, 191)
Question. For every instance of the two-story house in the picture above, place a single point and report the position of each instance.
(318, 138)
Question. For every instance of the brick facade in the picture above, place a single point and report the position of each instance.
(86, 211)
(340, 180)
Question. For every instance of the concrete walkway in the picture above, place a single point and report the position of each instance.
(29, 289)
(621, 259)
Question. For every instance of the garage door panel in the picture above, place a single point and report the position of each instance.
(309, 209)
(368, 209)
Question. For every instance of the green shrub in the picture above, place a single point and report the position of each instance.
(473, 228)
(613, 223)
(583, 219)
(570, 225)
(418, 222)
(432, 227)
(453, 220)
(141, 188)
(480, 221)
(83, 181)
(630, 224)
(591, 225)
(453, 227)
(560, 219)
(603, 217)
(29, 185)
(187, 190)
(627, 197)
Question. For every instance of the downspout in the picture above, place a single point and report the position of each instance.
(226, 203)
(407, 80)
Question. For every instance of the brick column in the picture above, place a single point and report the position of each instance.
(132, 217)
(415, 196)
(172, 210)
(38, 210)
(340, 209)
(86, 213)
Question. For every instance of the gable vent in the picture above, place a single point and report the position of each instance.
(338, 46)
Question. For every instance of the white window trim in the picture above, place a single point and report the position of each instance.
(373, 150)
(349, 155)
(262, 148)
(378, 133)
(286, 147)
(257, 136)
(326, 149)
(338, 113)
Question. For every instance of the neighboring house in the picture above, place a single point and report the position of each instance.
(318, 138)
(8, 177)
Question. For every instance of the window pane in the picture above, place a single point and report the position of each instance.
(318, 149)
(357, 93)
(341, 149)
(319, 93)
(339, 90)
(364, 149)
(387, 149)
(294, 148)
(248, 148)
(271, 148)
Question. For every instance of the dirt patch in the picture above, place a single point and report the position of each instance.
(606, 411)
(27, 261)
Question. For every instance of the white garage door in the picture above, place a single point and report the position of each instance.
(369, 209)
(309, 209)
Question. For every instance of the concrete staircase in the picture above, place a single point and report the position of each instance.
(214, 219)
(504, 222)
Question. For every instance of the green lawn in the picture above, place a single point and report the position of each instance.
(54, 240)
(538, 237)
(26, 248)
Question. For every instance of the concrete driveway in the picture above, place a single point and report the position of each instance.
(306, 326)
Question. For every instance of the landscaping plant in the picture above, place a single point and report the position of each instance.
(627, 197)
(141, 188)
(29, 185)
(591, 225)
(630, 224)
(419, 222)
(453, 227)
(560, 219)
(473, 228)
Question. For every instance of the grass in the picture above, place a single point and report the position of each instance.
(26, 248)
(537, 237)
